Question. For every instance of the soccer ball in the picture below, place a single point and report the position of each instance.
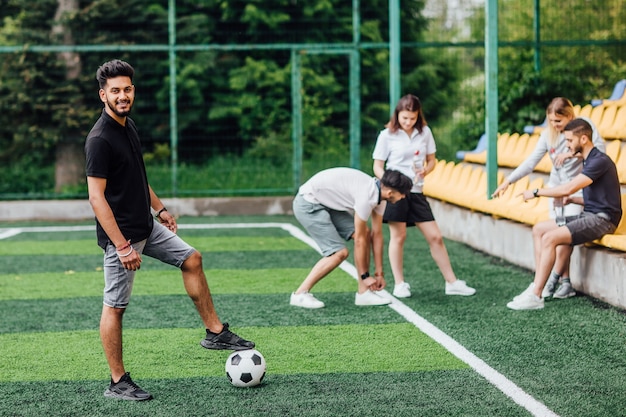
(245, 368)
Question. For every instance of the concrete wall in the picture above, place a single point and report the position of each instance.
(596, 271)
(80, 209)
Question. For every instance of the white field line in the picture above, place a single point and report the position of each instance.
(508, 387)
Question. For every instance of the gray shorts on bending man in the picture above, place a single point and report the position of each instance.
(329, 228)
(587, 227)
(162, 244)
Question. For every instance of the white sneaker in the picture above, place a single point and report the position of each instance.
(402, 290)
(306, 300)
(527, 300)
(368, 298)
(529, 290)
(459, 287)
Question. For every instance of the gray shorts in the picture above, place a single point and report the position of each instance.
(329, 228)
(587, 227)
(162, 244)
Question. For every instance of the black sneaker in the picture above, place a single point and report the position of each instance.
(126, 389)
(226, 340)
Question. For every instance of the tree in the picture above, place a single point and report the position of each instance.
(69, 164)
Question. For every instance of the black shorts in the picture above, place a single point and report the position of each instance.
(414, 208)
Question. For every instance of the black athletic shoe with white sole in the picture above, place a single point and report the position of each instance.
(126, 389)
(225, 340)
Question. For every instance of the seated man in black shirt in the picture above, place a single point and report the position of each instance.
(601, 215)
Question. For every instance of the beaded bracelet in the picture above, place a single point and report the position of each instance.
(126, 254)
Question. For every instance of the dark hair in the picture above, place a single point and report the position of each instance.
(407, 103)
(397, 181)
(112, 69)
(579, 127)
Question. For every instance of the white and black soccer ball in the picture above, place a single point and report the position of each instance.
(245, 368)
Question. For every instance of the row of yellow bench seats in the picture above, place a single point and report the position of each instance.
(465, 185)
(514, 148)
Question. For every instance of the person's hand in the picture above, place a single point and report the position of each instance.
(380, 282)
(560, 159)
(501, 189)
(527, 195)
(130, 258)
(168, 221)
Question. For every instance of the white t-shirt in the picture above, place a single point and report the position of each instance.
(344, 189)
(398, 149)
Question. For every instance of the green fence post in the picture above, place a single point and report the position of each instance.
(394, 53)
(491, 92)
(173, 95)
(296, 117)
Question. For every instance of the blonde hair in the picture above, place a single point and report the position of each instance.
(562, 107)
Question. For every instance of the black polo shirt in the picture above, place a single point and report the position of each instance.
(113, 152)
(603, 194)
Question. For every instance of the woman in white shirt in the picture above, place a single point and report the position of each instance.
(407, 138)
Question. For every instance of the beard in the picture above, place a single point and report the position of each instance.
(120, 113)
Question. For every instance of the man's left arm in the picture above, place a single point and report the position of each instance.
(579, 182)
(377, 250)
(162, 215)
(362, 250)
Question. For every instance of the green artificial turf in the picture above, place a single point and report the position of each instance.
(176, 353)
(339, 360)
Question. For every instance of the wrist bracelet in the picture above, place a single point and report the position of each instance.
(365, 275)
(126, 254)
(124, 246)
(158, 215)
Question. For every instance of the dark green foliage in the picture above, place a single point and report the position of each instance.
(233, 102)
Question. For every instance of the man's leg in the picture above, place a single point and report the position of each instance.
(218, 336)
(322, 268)
(397, 237)
(111, 337)
(549, 242)
(198, 290)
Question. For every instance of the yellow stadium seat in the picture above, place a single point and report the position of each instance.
(608, 117)
(585, 111)
(458, 181)
(613, 149)
(535, 213)
(513, 156)
(480, 201)
(476, 158)
(462, 194)
(508, 144)
(621, 166)
(437, 180)
(618, 128)
(596, 114)
(510, 200)
(533, 210)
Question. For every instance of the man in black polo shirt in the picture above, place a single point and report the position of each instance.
(121, 199)
(601, 215)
